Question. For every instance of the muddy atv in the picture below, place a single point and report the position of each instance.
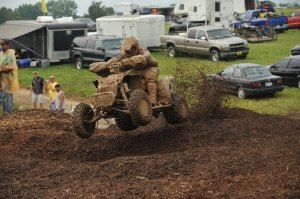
(123, 95)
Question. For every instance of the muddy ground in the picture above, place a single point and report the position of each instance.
(239, 154)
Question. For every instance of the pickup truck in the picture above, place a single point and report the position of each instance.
(259, 17)
(216, 42)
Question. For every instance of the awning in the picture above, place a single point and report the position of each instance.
(11, 31)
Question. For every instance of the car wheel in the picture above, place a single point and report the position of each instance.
(241, 93)
(78, 63)
(172, 51)
(215, 55)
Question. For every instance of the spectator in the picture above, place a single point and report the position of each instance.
(8, 76)
(50, 89)
(37, 86)
(59, 100)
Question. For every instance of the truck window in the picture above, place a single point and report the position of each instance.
(200, 34)
(195, 8)
(112, 44)
(192, 34)
(90, 44)
(295, 64)
(98, 44)
(248, 16)
(282, 63)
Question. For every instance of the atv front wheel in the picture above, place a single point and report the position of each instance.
(178, 112)
(81, 116)
(140, 107)
(124, 123)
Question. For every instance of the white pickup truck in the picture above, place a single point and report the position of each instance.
(216, 42)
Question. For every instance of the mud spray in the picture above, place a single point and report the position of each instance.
(206, 99)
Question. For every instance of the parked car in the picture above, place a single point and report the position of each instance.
(294, 20)
(296, 50)
(86, 50)
(289, 69)
(247, 79)
(216, 42)
(89, 22)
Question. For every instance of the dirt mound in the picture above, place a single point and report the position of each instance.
(240, 154)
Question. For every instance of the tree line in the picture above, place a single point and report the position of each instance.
(56, 8)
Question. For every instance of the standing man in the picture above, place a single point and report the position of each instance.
(37, 86)
(59, 100)
(8, 76)
(50, 88)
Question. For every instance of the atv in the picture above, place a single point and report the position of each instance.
(122, 95)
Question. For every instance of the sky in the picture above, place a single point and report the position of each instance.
(84, 4)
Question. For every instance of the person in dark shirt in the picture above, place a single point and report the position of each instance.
(37, 87)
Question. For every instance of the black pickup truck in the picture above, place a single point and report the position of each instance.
(89, 49)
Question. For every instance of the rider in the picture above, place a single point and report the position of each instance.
(137, 58)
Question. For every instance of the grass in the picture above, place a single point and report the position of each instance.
(78, 83)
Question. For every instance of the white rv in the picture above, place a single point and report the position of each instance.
(146, 28)
(125, 8)
(212, 12)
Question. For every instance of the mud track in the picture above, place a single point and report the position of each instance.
(240, 154)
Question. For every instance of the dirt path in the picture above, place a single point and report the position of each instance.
(23, 99)
(240, 154)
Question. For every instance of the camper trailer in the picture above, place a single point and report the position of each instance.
(212, 12)
(43, 39)
(125, 8)
(146, 28)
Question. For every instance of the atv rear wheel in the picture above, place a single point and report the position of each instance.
(82, 114)
(140, 107)
(124, 123)
(179, 110)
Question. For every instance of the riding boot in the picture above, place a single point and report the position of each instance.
(152, 91)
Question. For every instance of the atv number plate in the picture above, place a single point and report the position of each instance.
(239, 53)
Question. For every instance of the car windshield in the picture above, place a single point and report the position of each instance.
(112, 44)
(256, 71)
(219, 34)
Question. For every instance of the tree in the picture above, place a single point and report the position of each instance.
(29, 11)
(62, 8)
(98, 10)
(7, 14)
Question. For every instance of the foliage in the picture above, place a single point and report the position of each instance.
(62, 8)
(98, 10)
(7, 14)
(29, 11)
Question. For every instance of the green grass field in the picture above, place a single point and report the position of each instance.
(78, 83)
